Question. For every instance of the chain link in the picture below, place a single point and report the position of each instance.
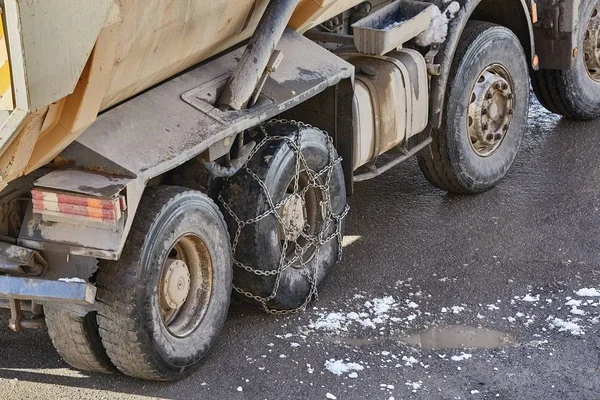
(314, 241)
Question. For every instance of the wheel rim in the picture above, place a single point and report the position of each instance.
(591, 45)
(491, 110)
(185, 285)
(301, 219)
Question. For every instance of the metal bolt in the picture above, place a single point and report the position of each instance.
(489, 137)
(498, 136)
(504, 86)
(497, 86)
(485, 127)
(509, 96)
(511, 111)
(484, 111)
(488, 96)
(505, 128)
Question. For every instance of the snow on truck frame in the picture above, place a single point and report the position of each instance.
(152, 153)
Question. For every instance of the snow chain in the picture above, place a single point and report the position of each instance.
(317, 179)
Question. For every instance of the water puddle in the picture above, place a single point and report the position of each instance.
(458, 337)
(439, 337)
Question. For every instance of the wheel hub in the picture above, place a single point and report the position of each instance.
(176, 283)
(591, 45)
(293, 214)
(490, 111)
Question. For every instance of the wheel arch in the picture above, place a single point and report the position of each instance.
(512, 14)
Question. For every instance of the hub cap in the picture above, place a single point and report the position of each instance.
(176, 283)
(490, 111)
(302, 216)
(185, 286)
(293, 215)
(591, 45)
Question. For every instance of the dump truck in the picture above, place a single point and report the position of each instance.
(158, 157)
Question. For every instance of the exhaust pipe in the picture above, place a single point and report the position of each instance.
(254, 61)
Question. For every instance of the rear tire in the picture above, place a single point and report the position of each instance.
(574, 93)
(163, 304)
(480, 136)
(260, 244)
(77, 340)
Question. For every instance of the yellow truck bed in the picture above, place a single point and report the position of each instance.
(67, 60)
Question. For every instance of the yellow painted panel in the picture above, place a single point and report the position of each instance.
(6, 96)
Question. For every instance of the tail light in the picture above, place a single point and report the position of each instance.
(64, 205)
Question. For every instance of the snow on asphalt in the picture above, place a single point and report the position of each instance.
(351, 326)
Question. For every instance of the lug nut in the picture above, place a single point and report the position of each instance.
(505, 128)
(485, 127)
(498, 136)
(489, 137)
(497, 86)
(484, 111)
(504, 86)
(509, 96)
(511, 111)
(488, 96)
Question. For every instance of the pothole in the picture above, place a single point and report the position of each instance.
(458, 337)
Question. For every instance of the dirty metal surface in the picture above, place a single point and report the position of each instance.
(47, 290)
(88, 183)
(157, 130)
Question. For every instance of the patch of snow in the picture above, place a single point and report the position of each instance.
(462, 357)
(457, 309)
(72, 280)
(412, 304)
(577, 311)
(331, 322)
(353, 375)
(574, 302)
(330, 396)
(437, 31)
(240, 389)
(567, 326)
(409, 361)
(474, 391)
(352, 315)
(588, 292)
(339, 367)
(529, 298)
(492, 307)
(381, 306)
(414, 385)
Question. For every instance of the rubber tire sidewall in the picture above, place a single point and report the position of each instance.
(172, 358)
(260, 248)
(582, 91)
(476, 173)
(175, 222)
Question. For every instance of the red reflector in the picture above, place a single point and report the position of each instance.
(77, 206)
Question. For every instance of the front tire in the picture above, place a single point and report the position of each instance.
(163, 304)
(575, 93)
(485, 112)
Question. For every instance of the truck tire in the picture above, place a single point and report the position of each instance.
(163, 304)
(317, 210)
(575, 93)
(77, 340)
(485, 112)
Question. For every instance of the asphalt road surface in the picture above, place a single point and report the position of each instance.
(438, 297)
